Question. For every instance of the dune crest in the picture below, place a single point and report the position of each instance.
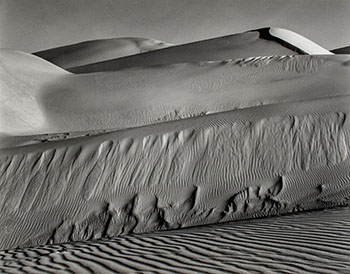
(300, 42)
(99, 50)
(259, 42)
(141, 96)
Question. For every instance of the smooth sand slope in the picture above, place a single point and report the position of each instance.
(63, 102)
(260, 42)
(313, 242)
(240, 164)
(21, 75)
(99, 50)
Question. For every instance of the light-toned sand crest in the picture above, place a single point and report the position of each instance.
(99, 50)
(240, 45)
(298, 41)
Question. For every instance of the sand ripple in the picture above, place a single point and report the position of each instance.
(313, 242)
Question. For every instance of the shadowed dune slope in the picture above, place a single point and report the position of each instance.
(343, 50)
(312, 242)
(261, 42)
(65, 102)
(98, 50)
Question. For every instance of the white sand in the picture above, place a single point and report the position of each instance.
(99, 50)
(296, 40)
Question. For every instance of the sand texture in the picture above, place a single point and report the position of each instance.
(240, 164)
(313, 242)
(238, 127)
(51, 100)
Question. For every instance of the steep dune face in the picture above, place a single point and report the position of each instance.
(260, 42)
(241, 164)
(99, 50)
(21, 76)
(142, 96)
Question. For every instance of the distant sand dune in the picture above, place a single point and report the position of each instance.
(98, 50)
(313, 242)
(260, 42)
(237, 127)
(65, 102)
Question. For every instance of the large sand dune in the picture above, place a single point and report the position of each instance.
(260, 42)
(99, 50)
(246, 163)
(194, 138)
(62, 102)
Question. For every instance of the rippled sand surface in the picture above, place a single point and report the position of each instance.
(312, 242)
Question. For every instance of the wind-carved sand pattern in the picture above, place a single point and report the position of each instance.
(145, 143)
(185, 173)
(312, 242)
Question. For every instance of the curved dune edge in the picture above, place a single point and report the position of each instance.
(93, 51)
(312, 242)
(21, 75)
(235, 46)
(241, 164)
(258, 42)
(298, 41)
(141, 96)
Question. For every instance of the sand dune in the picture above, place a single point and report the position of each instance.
(233, 165)
(21, 75)
(99, 50)
(189, 135)
(313, 242)
(261, 42)
(297, 41)
(63, 102)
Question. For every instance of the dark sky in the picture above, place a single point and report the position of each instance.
(32, 25)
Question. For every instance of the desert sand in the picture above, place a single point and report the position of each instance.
(259, 42)
(94, 51)
(237, 127)
(312, 242)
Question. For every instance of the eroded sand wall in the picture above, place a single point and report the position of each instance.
(224, 171)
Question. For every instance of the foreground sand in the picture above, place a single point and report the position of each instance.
(313, 242)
